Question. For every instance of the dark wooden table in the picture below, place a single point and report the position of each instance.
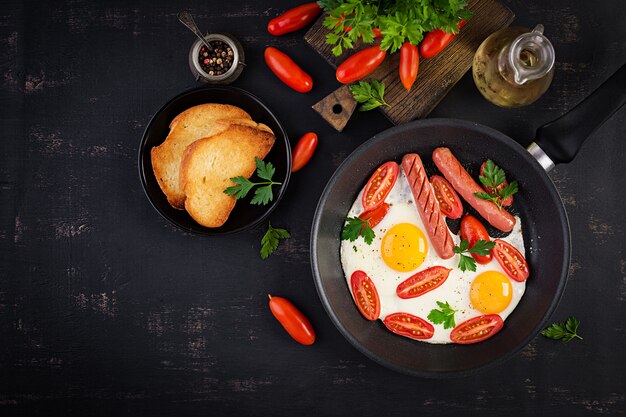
(107, 309)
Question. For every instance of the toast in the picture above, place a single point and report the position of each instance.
(209, 163)
(192, 124)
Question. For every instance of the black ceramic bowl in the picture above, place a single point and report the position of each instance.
(244, 215)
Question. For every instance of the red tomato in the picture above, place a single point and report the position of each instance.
(477, 329)
(410, 326)
(435, 41)
(303, 151)
(449, 201)
(294, 19)
(507, 201)
(473, 230)
(288, 71)
(365, 295)
(379, 185)
(375, 216)
(511, 261)
(423, 282)
(360, 64)
(296, 324)
(409, 64)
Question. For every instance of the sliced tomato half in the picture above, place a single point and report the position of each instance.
(410, 326)
(379, 185)
(449, 201)
(375, 216)
(365, 295)
(476, 329)
(423, 282)
(511, 260)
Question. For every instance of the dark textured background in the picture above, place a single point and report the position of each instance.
(107, 309)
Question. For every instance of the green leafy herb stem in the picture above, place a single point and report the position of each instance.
(444, 316)
(494, 176)
(563, 331)
(481, 247)
(263, 194)
(356, 227)
(370, 94)
(270, 240)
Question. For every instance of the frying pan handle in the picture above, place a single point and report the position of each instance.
(559, 141)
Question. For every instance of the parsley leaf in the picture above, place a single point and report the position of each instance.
(445, 315)
(263, 194)
(493, 177)
(564, 332)
(371, 94)
(481, 247)
(270, 240)
(356, 227)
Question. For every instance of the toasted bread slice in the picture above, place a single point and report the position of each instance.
(190, 125)
(209, 163)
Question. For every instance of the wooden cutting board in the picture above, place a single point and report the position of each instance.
(436, 75)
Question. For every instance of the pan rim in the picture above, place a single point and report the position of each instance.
(488, 132)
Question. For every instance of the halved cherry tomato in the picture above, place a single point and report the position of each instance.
(423, 282)
(473, 230)
(409, 64)
(294, 19)
(303, 151)
(296, 324)
(477, 329)
(365, 295)
(288, 71)
(449, 201)
(379, 185)
(511, 260)
(410, 326)
(507, 201)
(435, 41)
(360, 64)
(375, 216)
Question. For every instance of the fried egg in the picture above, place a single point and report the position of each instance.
(402, 247)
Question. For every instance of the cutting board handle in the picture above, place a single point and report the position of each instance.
(337, 107)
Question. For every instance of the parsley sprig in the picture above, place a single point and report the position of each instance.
(563, 331)
(371, 94)
(270, 240)
(445, 315)
(356, 227)
(481, 247)
(493, 177)
(263, 194)
(398, 20)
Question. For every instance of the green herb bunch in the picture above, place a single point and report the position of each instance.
(398, 20)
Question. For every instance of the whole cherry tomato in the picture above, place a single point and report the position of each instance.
(473, 230)
(360, 64)
(288, 71)
(296, 324)
(409, 64)
(435, 41)
(303, 151)
(294, 19)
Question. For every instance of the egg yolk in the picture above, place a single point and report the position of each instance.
(491, 292)
(404, 247)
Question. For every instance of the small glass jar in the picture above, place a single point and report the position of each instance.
(231, 74)
(513, 67)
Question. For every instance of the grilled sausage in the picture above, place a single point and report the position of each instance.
(427, 206)
(465, 185)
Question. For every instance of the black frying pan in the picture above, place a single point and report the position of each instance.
(545, 228)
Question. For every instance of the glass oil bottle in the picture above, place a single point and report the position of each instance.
(513, 67)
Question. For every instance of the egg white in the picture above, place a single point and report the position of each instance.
(455, 290)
